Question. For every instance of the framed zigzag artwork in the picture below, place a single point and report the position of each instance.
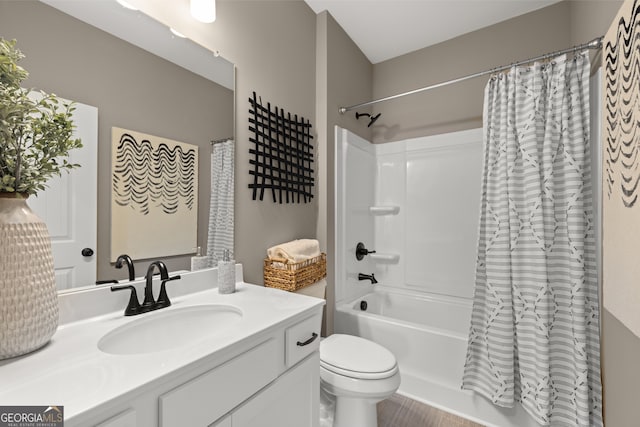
(154, 195)
(621, 167)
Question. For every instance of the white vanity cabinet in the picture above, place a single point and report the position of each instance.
(274, 383)
(293, 399)
(260, 370)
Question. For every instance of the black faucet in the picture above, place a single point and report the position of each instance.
(126, 258)
(149, 303)
(367, 277)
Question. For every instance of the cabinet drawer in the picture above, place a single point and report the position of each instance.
(300, 341)
(205, 399)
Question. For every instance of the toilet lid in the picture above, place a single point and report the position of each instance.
(354, 356)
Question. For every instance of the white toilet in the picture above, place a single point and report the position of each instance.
(359, 373)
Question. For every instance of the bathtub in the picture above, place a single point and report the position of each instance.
(428, 335)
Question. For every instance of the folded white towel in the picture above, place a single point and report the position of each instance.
(295, 251)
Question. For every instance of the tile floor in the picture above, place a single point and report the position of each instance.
(400, 411)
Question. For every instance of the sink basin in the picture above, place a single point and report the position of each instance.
(168, 329)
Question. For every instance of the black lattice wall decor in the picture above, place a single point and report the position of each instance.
(282, 154)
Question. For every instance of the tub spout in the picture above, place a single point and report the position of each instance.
(367, 277)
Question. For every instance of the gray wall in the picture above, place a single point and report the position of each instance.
(459, 106)
(620, 350)
(272, 44)
(343, 74)
(131, 89)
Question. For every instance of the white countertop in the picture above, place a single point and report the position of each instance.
(72, 371)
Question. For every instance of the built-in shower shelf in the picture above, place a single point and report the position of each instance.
(385, 258)
(384, 210)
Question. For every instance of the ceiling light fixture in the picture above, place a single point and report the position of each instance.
(204, 10)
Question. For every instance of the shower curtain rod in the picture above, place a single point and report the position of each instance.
(593, 44)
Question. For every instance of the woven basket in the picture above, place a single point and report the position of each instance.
(278, 273)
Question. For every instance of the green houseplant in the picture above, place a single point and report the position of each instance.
(36, 135)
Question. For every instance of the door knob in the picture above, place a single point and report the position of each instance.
(87, 252)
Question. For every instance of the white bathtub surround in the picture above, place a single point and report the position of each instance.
(220, 235)
(397, 199)
(435, 184)
(534, 334)
(355, 194)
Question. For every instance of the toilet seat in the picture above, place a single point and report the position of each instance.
(357, 374)
(356, 357)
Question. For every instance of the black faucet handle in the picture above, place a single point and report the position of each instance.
(163, 298)
(362, 251)
(133, 307)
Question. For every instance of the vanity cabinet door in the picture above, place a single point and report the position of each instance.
(211, 395)
(293, 400)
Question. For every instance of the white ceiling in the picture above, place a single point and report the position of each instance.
(384, 29)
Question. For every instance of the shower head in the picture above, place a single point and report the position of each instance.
(372, 119)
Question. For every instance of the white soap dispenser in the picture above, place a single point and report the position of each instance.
(226, 274)
(199, 262)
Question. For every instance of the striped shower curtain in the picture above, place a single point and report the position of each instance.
(220, 236)
(534, 335)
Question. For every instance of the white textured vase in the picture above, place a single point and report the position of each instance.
(28, 294)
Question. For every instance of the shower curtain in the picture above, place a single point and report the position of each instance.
(534, 335)
(220, 236)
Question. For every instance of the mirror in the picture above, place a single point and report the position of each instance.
(139, 76)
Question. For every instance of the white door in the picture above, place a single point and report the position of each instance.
(69, 207)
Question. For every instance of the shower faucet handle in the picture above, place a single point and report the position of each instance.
(361, 251)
